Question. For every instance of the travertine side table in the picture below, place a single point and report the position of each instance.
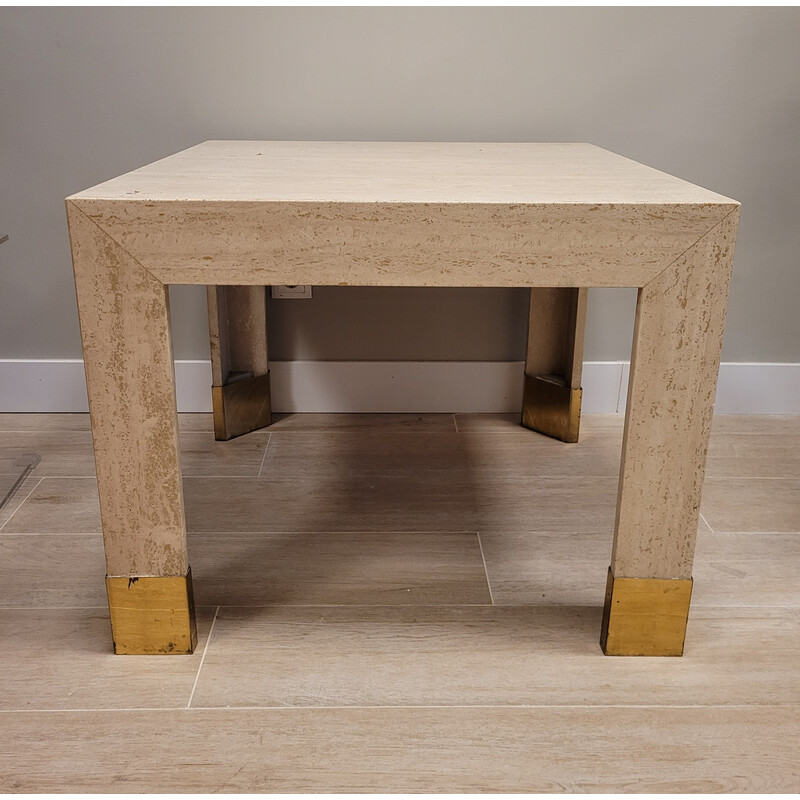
(552, 216)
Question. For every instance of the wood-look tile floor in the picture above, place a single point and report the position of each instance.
(400, 603)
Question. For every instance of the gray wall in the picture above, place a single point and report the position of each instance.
(711, 95)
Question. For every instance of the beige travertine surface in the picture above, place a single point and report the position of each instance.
(674, 368)
(237, 327)
(556, 327)
(403, 244)
(415, 214)
(407, 214)
(124, 315)
(400, 172)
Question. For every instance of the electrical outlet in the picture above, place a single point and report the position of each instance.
(291, 292)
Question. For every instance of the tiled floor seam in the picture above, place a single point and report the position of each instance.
(103, 607)
(485, 568)
(460, 532)
(756, 533)
(264, 457)
(356, 606)
(11, 516)
(566, 706)
(712, 477)
(203, 657)
(696, 605)
(98, 534)
(183, 475)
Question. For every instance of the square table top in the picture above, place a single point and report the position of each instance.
(400, 172)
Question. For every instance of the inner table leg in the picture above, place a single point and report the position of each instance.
(240, 370)
(552, 396)
(124, 316)
(674, 368)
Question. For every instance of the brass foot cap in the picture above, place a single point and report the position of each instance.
(152, 616)
(645, 616)
(241, 407)
(552, 408)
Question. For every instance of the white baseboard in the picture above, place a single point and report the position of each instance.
(748, 388)
(58, 386)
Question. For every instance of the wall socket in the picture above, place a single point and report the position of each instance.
(291, 292)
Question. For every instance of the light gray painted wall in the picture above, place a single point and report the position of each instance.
(711, 95)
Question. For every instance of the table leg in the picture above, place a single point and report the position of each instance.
(674, 368)
(237, 327)
(124, 316)
(552, 396)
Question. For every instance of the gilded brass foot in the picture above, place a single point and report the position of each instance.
(551, 407)
(241, 406)
(645, 616)
(152, 616)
